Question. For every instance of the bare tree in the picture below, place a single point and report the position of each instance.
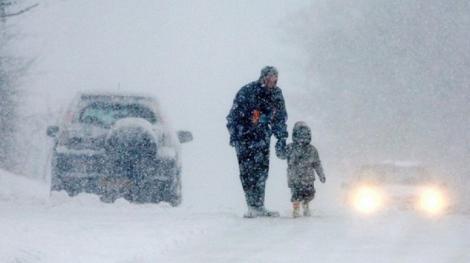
(9, 72)
(4, 14)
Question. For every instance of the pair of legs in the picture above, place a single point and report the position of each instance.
(302, 194)
(253, 161)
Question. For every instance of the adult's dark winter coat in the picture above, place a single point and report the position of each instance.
(256, 114)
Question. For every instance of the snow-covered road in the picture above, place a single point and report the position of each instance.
(36, 228)
(323, 238)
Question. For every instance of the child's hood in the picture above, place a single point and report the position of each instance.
(301, 133)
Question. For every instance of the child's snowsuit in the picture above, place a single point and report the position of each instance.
(302, 163)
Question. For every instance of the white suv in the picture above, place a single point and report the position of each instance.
(117, 146)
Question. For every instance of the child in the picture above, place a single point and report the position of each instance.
(302, 163)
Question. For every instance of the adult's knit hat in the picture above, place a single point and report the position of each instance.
(268, 70)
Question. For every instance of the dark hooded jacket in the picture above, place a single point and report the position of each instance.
(302, 158)
(267, 106)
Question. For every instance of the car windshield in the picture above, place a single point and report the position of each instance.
(106, 114)
(394, 175)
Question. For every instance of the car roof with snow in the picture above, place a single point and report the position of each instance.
(117, 97)
(394, 172)
(83, 99)
(147, 100)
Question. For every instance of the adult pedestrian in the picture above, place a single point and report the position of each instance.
(258, 112)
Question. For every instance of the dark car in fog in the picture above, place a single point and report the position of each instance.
(117, 146)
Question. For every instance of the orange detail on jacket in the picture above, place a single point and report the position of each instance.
(255, 116)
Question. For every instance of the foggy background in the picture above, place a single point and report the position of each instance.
(389, 79)
(376, 80)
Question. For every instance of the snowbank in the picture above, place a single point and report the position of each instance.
(19, 188)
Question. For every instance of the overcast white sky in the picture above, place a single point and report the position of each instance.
(194, 56)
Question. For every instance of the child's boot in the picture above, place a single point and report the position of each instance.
(306, 209)
(296, 211)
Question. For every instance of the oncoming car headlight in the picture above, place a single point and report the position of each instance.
(367, 199)
(432, 200)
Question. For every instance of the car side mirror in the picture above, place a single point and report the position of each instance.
(185, 136)
(52, 131)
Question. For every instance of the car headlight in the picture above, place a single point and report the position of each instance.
(432, 200)
(367, 199)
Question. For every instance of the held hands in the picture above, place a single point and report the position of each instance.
(281, 148)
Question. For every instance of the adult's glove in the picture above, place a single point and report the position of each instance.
(323, 179)
(263, 119)
(281, 148)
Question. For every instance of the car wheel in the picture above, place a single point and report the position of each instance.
(108, 198)
(72, 190)
(56, 183)
(174, 195)
(175, 200)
